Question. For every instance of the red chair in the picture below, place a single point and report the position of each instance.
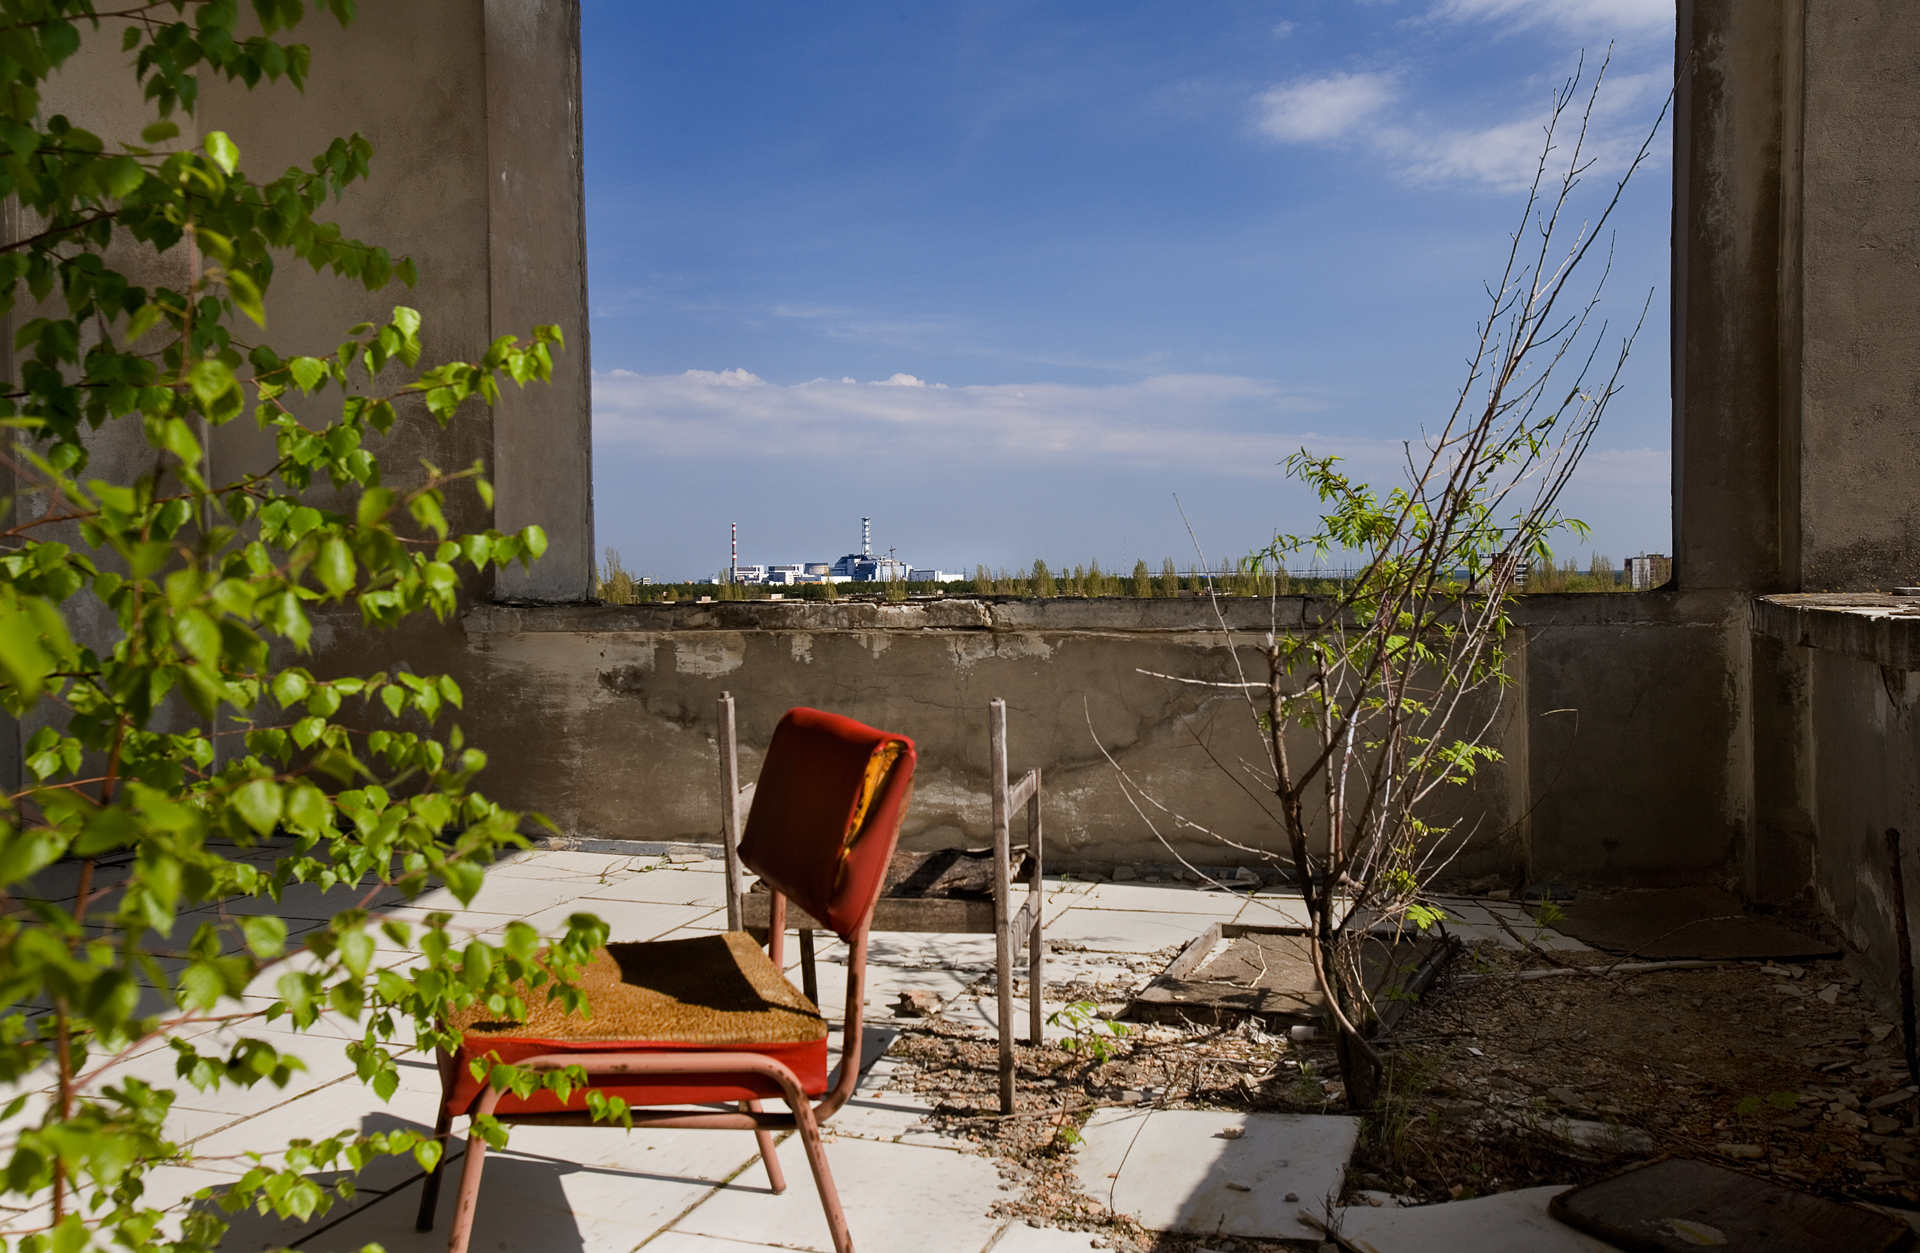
(712, 1019)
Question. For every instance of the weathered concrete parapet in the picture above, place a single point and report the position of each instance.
(1183, 615)
(608, 726)
(1872, 626)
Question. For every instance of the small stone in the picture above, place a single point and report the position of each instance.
(1881, 1125)
(916, 1003)
(1739, 1150)
(1237, 1187)
(1891, 1098)
(1292, 1196)
(1830, 993)
(685, 856)
(1123, 873)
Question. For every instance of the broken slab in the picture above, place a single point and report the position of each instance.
(1598, 1137)
(1187, 1170)
(1706, 924)
(1236, 970)
(1680, 1204)
(1507, 1222)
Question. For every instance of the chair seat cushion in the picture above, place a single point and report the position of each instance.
(715, 993)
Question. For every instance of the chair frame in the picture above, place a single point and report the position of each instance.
(1013, 931)
(803, 1114)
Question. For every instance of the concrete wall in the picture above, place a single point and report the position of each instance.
(1859, 335)
(1856, 665)
(472, 107)
(603, 718)
(1796, 332)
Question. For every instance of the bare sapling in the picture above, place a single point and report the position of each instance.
(1393, 688)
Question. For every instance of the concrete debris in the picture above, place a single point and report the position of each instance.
(1509, 1222)
(916, 1003)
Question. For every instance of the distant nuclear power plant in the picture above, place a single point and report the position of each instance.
(864, 566)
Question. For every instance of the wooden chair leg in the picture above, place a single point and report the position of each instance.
(776, 1177)
(823, 1178)
(469, 1198)
(430, 1190)
(1036, 983)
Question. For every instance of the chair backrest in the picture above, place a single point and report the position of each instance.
(826, 813)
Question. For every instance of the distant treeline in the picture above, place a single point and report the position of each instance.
(619, 586)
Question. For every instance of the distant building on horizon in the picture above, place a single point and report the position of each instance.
(861, 567)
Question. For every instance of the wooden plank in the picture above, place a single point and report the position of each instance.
(1271, 978)
(1037, 952)
(1678, 1205)
(730, 809)
(1022, 926)
(1002, 890)
(1023, 791)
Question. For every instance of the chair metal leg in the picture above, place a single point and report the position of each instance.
(469, 1198)
(809, 977)
(823, 1178)
(430, 1190)
(776, 1177)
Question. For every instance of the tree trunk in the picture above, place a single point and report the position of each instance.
(1359, 1071)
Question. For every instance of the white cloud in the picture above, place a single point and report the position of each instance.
(1319, 109)
(1282, 29)
(1504, 156)
(1601, 16)
(1231, 424)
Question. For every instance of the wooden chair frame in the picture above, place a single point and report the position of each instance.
(1013, 931)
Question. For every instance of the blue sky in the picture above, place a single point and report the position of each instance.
(1008, 277)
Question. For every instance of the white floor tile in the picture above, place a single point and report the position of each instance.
(627, 921)
(1162, 899)
(895, 1195)
(1123, 931)
(666, 887)
(504, 895)
(1174, 1170)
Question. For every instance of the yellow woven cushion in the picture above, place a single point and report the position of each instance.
(709, 990)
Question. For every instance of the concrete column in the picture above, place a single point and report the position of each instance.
(537, 273)
(1726, 294)
(1857, 388)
